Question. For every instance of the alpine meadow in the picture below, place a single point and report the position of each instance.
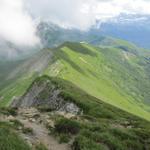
(74, 75)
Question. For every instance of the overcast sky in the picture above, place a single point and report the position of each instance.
(17, 17)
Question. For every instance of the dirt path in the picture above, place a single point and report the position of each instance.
(40, 135)
(40, 132)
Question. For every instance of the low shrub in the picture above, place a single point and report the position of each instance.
(64, 138)
(67, 126)
(8, 111)
(84, 143)
(16, 123)
(123, 134)
(27, 130)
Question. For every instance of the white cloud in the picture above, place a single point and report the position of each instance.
(16, 25)
(82, 14)
(63, 12)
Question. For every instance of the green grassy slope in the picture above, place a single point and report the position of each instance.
(117, 74)
(6, 67)
(9, 139)
(114, 75)
(101, 126)
(17, 78)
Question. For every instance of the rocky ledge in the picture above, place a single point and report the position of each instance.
(45, 94)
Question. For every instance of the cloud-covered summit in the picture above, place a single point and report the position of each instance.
(17, 17)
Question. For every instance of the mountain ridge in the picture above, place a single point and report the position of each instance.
(76, 62)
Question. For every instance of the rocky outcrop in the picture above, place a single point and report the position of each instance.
(45, 94)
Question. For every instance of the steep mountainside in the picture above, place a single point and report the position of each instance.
(117, 74)
(16, 76)
(94, 125)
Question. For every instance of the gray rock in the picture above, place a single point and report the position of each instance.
(70, 108)
(46, 95)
